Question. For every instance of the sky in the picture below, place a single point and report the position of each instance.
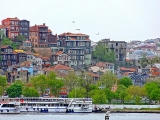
(119, 20)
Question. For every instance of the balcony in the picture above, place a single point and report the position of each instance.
(14, 30)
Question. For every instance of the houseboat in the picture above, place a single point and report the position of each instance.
(9, 106)
(61, 105)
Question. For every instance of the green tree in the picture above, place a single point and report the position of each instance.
(71, 81)
(128, 98)
(85, 80)
(14, 90)
(107, 80)
(109, 94)
(40, 83)
(149, 87)
(102, 53)
(55, 84)
(30, 92)
(98, 96)
(7, 41)
(155, 94)
(144, 60)
(126, 81)
(136, 92)
(121, 92)
(3, 84)
(20, 38)
(78, 92)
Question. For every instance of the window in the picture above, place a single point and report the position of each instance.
(116, 44)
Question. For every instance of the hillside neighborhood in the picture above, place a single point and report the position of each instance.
(28, 51)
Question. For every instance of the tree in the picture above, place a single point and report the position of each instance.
(7, 41)
(78, 92)
(149, 87)
(143, 61)
(98, 96)
(107, 80)
(109, 94)
(30, 92)
(155, 94)
(85, 80)
(3, 84)
(14, 90)
(136, 92)
(102, 53)
(71, 81)
(40, 83)
(121, 92)
(20, 38)
(55, 84)
(126, 81)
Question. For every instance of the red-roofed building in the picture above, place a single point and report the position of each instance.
(12, 25)
(78, 47)
(61, 57)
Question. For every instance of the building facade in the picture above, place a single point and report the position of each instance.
(13, 26)
(78, 47)
(39, 35)
(9, 57)
(24, 28)
(118, 47)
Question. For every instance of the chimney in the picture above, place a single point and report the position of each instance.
(44, 24)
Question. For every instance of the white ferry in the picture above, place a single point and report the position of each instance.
(9, 106)
(61, 105)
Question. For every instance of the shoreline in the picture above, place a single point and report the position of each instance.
(128, 111)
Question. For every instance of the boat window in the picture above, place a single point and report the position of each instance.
(79, 105)
(8, 105)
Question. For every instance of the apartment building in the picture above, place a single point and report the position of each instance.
(12, 24)
(78, 47)
(24, 28)
(41, 36)
(118, 47)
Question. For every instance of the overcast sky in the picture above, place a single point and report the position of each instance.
(121, 20)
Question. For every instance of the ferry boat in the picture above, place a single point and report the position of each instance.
(61, 105)
(9, 106)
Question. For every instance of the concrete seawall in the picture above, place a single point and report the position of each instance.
(111, 106)
(127, 108)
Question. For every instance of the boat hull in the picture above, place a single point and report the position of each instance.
(9, 111)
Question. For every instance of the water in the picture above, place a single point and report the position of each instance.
(91, 116)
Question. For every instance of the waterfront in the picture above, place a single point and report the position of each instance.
(92, 116)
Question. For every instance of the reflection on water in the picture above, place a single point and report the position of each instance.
(73, 116)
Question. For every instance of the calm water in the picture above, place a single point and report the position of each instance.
(98, 116)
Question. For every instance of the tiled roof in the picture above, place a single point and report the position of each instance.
(25, 64)
(72, 34)
(59, 52)
(33, 29)
(49, 30)
(45, 58)
(29, 53)
(92, 74)
(5, 46)
(19, 51)
(1, 26)
(61, 67)
(128, 69)
(102, 64)
(45, 52)
(13, 18)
